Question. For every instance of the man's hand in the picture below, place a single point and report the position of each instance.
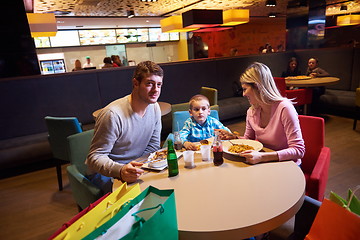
(130, 172)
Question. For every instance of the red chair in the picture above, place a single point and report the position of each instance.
(302, 96)
(315, 163)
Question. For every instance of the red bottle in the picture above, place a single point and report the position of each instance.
(218, 150)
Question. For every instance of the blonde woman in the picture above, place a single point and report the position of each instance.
(271, 119)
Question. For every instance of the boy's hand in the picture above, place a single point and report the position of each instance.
(190, 146)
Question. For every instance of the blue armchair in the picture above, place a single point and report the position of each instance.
(59, 128)
(84, 191)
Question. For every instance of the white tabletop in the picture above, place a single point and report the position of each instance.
(232, 201)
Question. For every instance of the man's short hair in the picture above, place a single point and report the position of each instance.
(196, 98)
(147, 68)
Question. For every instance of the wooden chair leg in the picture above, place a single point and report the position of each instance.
(354, 126)
(59, 175)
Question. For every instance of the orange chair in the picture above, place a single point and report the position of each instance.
(315, 163)
(302, 96)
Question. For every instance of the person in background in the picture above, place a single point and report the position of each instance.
(116, 60)
(88, 63)
(127, 129)
(77, 65)
(292, 69)
(200, 125)
(271, 119)
(125, 62)
(268, 48)
(233, 52)
(314, 70)
(107, 63)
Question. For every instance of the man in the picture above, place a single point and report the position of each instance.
(314, 70)
(88, 63)
(126, 129)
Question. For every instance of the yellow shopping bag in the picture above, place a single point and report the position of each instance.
(100, 214)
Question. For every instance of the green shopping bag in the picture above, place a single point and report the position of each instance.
(352, 203)
(151, 215)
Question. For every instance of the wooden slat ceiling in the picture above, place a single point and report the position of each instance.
(161, 8)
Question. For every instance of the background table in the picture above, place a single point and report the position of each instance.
(232, 201)
(313, 82)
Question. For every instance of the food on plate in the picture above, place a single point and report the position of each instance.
(297, 78)
(159, 155)
(158, 163)
(158, 159)
(238, 148)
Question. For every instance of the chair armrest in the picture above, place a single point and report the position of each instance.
(84, 191)
(319, 174)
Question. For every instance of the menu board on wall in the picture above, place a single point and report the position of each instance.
(65, 39)
(96, 37)
(156, 35)
(174, 36)
(73, 38)
(42, 42)
(132, 35)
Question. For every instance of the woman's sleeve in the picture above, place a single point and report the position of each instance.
(249, 131)
(290, 121)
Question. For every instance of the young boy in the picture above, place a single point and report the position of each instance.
(200, 125)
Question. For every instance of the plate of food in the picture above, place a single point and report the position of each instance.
(298, 78)
(157, 160)
(236, 146)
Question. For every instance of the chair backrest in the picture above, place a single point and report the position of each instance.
(211, 94)
(313, 132)
(180, 117)
(59, 128)
(79, 146)
(281, 85)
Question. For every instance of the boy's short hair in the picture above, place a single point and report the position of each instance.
(196, 98)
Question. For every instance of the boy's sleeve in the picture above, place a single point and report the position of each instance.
(185, 131)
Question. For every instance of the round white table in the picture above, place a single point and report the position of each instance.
(232, 201)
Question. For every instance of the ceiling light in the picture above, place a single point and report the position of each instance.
(346, 20)
(343, 8)
(270, 3)
(198, 18)
(42, 24)
(234, 17)
(174, 24)
(130, 13)
(272, 15)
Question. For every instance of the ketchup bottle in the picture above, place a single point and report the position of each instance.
(218, 150)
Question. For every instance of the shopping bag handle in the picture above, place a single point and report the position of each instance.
(352, 195)
(141, 220)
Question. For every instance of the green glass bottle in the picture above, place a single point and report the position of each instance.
(172, 160)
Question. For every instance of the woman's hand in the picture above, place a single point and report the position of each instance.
(252, 157)
(225, 135)
(190, 146)
(130, 172)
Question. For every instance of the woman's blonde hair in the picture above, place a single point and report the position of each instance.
(259, 77)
